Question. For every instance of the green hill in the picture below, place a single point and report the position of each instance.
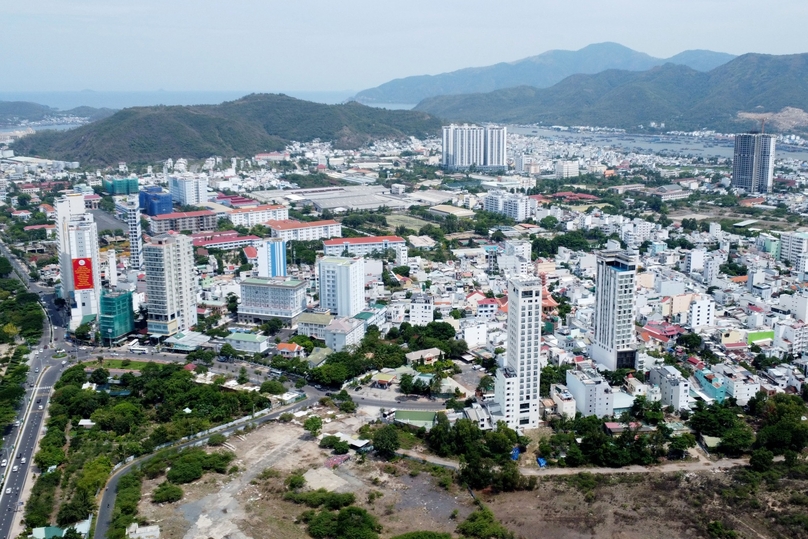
(681, 97)
(252, 124)
(541, 71)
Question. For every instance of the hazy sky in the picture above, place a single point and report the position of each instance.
(326, 45)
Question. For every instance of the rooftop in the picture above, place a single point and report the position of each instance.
(291, 224)
(366, 239)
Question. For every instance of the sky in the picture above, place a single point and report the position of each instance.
(349, 45)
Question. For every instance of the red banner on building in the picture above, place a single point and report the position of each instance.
(82, 273)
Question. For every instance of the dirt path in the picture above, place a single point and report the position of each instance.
(688, 466)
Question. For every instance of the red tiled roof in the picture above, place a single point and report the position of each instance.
(181, 214)
(365, 239)
(258, 208)
(250, 252)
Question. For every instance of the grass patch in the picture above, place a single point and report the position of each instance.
(125, 364)
(408, 221)
(407, 439)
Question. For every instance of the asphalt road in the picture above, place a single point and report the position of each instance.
(20, 442)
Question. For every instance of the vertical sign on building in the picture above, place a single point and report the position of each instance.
(82, 273)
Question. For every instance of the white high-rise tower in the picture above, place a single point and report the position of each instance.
(170, 284)
(614, 345)
(77, 234)
(466, 146)
(342, 285)
(128, 209)
(516, 387)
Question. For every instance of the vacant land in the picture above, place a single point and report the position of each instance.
(655, 506)
(405, 495)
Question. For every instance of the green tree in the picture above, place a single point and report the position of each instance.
(5, 267)
(228, 351)
(83, 332)
(243, 377)
(386, 442)
(273, 387)
(99, 376)
(313, 425)
(761, 460)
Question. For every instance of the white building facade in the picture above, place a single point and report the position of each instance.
(170, 284)
(614, 343)
(342, 285)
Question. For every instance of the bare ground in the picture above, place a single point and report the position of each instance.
(404, 496)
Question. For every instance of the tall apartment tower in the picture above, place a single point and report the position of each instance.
(79, 262)
(170, 284)
(466, 146)
(188, 190)
(753, 162)
(272, 258)
(614, 343)
(128, 210)
(342, 285)
(516, 387)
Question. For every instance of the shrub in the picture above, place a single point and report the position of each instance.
(217, 439)
(321, 497)
(286, 417)
(295, 481)
(341, 448)
(167, 493)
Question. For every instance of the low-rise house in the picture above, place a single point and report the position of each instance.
(426, 357)
(342, 332)
(251, 343)
(291, 350)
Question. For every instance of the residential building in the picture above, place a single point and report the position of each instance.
(117, 317)
(791, 336)
(566, 169)
(188, 190)
(694, 261)
(192, 221)
(674, 387)
(225, 240)
(712, 270)
(741, 384)
(342, 285)
(251, 343)
(262, 299)
(343, 332)
(79, 262)
(517, 206)
(564, 401)
(128, 210)
(614, 345)
(424, 357)
(304, 231)
(272, 258)
(154, 201)
(422, 309)
(793, 246)
(712, 385)
(170, 284)
(592, 393)
(466, 146)
(517, 380)
(363, 246)
(753, 162)
(257, 215)
(313, 324)
(701, 313)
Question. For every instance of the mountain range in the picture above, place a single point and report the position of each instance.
(14, 112)
(681, 97)
(541, 71)
(252, 124)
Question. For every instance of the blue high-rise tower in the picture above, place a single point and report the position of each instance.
(272, 258)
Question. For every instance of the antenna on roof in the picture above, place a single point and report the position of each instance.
(763, 125)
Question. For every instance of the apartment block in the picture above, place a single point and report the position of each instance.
(674, 387)
(592, 393)
(363, 246)
(262, 299)
(303, 231)
(192, 221)
(257, 215)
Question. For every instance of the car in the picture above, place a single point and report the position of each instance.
(17, 423)
(8, 490)
(318, 387)
(19, 455)
(358, 388)
(23, 460)
(36, 370)
(15, 468)
(40, 407)
(329, 394)
(4, 463)
(39, 400)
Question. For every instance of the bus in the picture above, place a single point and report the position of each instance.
(138, 350)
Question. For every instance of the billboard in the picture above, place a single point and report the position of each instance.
(82, 273)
